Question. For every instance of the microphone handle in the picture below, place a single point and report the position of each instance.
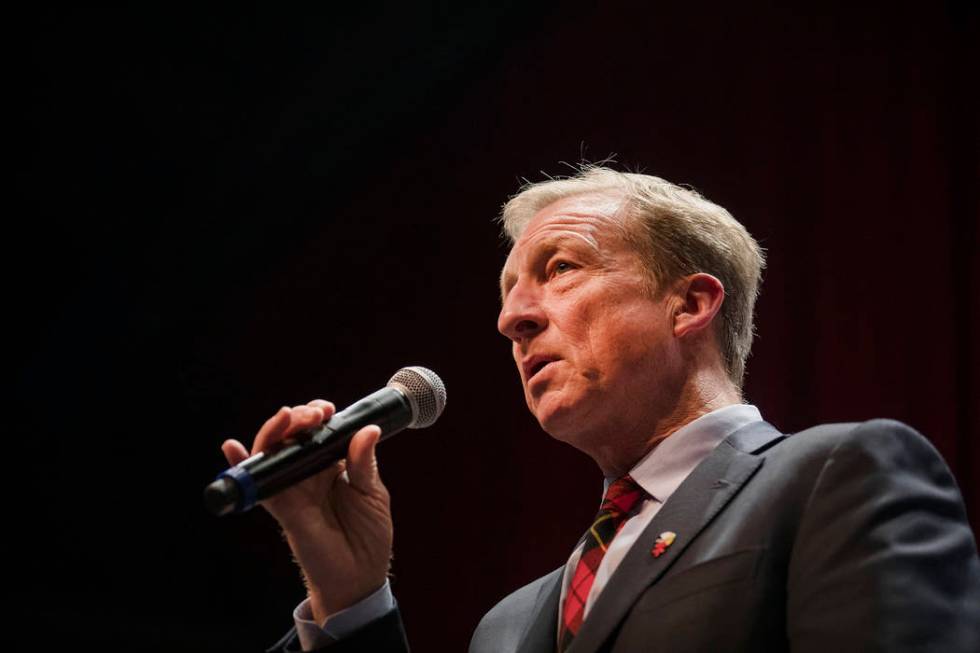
(267, 473)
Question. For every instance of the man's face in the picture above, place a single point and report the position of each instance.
(592, 345)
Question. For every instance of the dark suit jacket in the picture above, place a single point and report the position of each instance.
(848, 537)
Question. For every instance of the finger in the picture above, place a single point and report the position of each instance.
(327, 407)
(272, 431)
(285, 423)
(304, 417)
(234, 451)
(362, 463)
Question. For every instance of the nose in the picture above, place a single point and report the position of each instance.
(521, 316)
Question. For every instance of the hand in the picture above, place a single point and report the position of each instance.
(338, 522)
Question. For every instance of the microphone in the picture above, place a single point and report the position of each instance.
(414, 398)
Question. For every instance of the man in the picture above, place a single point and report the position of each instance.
(629, 301)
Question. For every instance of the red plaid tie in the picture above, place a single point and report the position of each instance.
(621, 498)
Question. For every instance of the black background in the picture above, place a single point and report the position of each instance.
(218, 211)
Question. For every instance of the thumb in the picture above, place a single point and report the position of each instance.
(362, 463)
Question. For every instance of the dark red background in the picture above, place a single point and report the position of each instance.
(217, 212)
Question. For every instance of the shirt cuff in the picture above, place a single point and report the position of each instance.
(339, 625)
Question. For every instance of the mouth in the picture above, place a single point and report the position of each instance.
(535, 364)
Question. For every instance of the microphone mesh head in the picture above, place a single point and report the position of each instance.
(425, 392)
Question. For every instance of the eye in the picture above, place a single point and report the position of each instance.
(560, 267)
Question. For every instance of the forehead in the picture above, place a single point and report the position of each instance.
(595, 221)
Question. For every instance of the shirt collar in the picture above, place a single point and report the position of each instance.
(670, 462)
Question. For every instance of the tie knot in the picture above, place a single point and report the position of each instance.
(622, 496)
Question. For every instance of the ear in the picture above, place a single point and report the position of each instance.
(699, 299)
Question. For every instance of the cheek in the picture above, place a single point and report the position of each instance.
(629, 340)
(515, 353)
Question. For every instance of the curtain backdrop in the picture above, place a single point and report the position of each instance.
(220, 212)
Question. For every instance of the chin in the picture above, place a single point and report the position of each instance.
(558, 420)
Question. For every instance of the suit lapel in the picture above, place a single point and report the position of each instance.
(693, 505)
(541, 633)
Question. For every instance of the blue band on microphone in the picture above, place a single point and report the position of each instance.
(249, 493)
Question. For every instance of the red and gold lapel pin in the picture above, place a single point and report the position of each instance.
(666, 539)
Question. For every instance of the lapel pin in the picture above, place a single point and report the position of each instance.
(666, 539)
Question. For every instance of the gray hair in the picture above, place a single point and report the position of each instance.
(677, 232)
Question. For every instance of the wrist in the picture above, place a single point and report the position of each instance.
(324, 607)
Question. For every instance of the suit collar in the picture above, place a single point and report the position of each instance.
(755, 438)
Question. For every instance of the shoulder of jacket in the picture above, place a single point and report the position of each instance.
(875, 436)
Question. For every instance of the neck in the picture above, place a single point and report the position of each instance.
(700, 394)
